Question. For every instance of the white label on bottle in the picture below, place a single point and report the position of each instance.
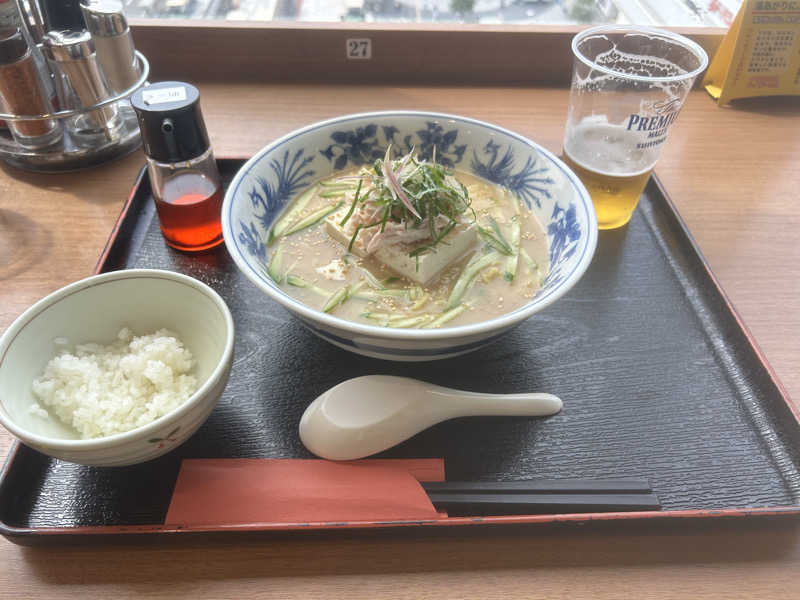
(171, 94)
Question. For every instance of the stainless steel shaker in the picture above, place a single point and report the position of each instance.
(112, 38)
(80, 82)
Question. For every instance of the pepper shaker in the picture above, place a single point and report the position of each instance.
(12, 18)
(81, 83)
(23, 91)
(183, 173)
(112, 38)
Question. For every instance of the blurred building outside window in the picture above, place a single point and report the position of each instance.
(671, 13)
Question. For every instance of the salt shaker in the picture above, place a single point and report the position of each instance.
(112, 38)
(183, 173)
(23, 91)
(81, 83)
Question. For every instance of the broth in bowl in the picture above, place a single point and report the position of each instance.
(408, 243)
(268, 211)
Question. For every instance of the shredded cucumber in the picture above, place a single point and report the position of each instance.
(446, 316)
(510, 267)
(410, 322)
(274, 268)
(468, 276)
(312, 219)
(302, 283)
(290, 217)
(336, 299)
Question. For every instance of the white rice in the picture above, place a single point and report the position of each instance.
(103, 390)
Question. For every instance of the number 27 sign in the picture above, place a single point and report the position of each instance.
(358, 48)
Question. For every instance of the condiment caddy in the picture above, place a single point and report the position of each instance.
(67, 71)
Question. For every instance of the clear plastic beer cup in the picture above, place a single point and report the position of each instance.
(628, 87)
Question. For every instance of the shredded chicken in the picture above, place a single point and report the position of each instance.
(393, 233)
(392, 176)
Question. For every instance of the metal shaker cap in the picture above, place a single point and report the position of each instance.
(171, 121)
(68, 45)
(13, 46)
(104, 18)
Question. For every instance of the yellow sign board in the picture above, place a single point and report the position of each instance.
(760, 55)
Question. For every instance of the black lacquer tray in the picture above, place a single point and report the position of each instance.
(659, 377)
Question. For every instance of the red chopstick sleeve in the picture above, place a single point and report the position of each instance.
(225, 492)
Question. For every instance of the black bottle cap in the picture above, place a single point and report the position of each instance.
(63, 15)
(171, 122)
(13, 46)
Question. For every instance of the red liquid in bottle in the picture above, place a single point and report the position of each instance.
(189, 212)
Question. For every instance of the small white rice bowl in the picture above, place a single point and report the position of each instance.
(95, 309)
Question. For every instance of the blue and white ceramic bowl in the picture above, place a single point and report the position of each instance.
(283, 169)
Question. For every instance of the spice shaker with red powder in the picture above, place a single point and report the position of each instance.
(183, 173)
(24, 92)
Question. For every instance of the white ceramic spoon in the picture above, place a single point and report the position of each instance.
(368, 414)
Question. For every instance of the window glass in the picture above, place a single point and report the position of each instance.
(688, 13)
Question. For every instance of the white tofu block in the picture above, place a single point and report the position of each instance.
(460, 240)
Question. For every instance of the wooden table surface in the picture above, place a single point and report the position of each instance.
(734, 174)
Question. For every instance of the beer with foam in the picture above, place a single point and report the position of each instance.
(629, 84)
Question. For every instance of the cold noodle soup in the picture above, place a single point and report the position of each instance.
(407, 243)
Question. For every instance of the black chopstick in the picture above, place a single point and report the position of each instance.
(537, 486)
(542, 496)
(544, 503)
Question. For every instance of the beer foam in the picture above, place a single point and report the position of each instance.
(634, 64)
(624, 63)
